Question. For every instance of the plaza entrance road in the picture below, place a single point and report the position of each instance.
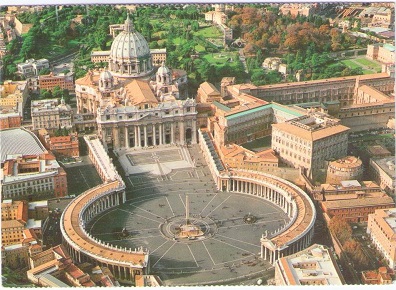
(229, 254)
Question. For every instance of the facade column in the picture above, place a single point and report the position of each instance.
(126, 137)
(139, 137)
(154, 136)
(182, 133)
(116, 137)
(145, 135)
(172, 133)
(194, 132)
(160, 134)
(136, 136)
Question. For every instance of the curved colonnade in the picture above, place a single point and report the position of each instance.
(123, 263)
(292, 237)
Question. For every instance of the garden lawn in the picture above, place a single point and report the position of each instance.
(368, 63)
(221, 58)
(209, 32)
(350, 64)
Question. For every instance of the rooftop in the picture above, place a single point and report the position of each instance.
(209, 89)
(387, 165)
(104, 161)
(312, 264)
(386, 219)
(377, 150)
(19, 141)
(368, 199)
(347, 162)
(311, 133)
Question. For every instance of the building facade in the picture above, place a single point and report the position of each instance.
(384, 53)
(14, 210)
(33, 177)
(383, 170)
(12, 93)
(309, 141)
(357, 206)
(346, 168)
(28, 170)
(49, 114)
(382, 230)
(340, 89)
(10, 119)
(32, 67)
(49, 82)
(61, 146)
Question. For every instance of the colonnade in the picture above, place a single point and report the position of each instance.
(270, 252)
(82, 246)
(277, 196)
(114, 198)
(156, 134)
(290, 238)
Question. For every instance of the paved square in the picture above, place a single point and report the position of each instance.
(157, 161)
(156, 206)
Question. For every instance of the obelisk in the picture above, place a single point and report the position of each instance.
(187, 210)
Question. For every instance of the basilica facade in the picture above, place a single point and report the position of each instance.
(133, 107)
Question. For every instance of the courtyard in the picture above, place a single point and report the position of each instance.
(229, 249)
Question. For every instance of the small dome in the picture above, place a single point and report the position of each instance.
(106, 75)
(129, 44)
(163, 70)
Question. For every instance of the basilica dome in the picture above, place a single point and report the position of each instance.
(130, 54)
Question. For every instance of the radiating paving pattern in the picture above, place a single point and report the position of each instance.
(230, 248)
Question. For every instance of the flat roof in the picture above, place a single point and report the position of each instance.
(372, 200)
(55, 282)
(221, 106)
(387, 165)
(298, 267)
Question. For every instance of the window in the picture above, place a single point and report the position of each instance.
(107, 117)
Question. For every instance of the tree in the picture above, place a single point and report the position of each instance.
(44, 94)
(44, 71)
(340, 228)
(354, 250)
